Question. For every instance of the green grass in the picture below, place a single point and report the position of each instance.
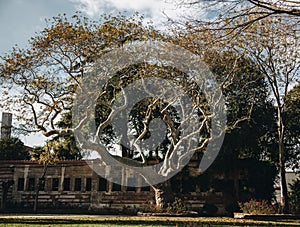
(134, 221)
(81, 225)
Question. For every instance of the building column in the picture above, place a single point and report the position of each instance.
(62, 177)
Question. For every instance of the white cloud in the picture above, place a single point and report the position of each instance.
(94, 7)
(90, 7)
(152, 9)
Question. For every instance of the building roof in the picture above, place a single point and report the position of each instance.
(32, 162)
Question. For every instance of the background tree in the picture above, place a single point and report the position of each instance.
(274, 47)
(251, 117)
(292, 116)
(272, 43)
(13, 149)
(295, 196)
(237, 10)
(65, 145)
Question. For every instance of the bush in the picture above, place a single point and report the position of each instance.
(176, 207)
(232, 207)
(257, 207)
(294, 196)
(152, 208)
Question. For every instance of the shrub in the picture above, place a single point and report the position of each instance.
(152, 208)
(232, 207)
(177, 206)
(257, 207)
(294, 196)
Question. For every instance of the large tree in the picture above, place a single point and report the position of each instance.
(47, 74)
(273, 44)
(62, 58)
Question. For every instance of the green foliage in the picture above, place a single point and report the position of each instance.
(13, 149)
(61, 149)
(250, 112)
(292, 117)
(257, 207)
(152, 208)
(177, 206)
(294, 196)
(55, 62)
(65, 145)
(45, 155)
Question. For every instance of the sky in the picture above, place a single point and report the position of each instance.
(22, 19)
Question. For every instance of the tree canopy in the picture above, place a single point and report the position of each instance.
(76, 71)
(13, 149)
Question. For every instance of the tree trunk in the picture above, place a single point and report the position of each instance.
(283, 185)
(37, 188)
(163, 194)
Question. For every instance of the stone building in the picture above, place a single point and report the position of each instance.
(73, 184)
(70, 183)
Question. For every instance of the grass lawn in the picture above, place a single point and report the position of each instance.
(134, 221)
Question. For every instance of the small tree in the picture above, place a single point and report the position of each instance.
(64, 145)
(45, 157)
